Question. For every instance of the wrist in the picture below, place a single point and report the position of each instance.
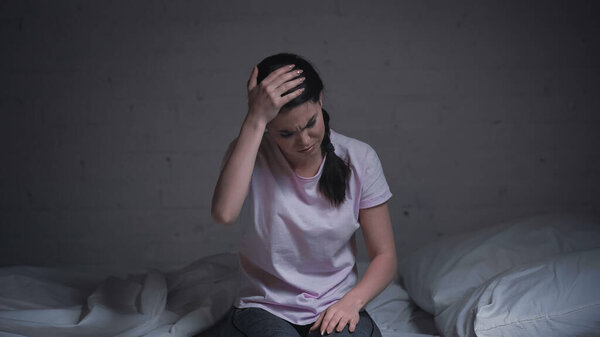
(255, 122)
(354, 300)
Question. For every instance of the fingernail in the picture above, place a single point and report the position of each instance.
(302, 79)
(299, 71)
(291, 66)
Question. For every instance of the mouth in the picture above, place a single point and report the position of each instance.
(307, 149)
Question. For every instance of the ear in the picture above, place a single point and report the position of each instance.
(321, 99)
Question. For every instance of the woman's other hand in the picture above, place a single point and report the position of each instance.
(265, 99)
(337, 316)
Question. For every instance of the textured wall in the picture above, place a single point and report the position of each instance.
(114, 115)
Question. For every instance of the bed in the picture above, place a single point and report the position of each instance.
(536, 276)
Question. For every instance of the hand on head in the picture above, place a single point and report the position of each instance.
(265, 98)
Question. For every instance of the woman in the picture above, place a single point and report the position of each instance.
(308, 189)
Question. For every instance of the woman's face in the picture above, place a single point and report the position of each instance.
(299, 132)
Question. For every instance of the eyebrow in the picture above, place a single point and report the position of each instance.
(309, 121)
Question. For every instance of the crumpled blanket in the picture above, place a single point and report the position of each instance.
(41, 301)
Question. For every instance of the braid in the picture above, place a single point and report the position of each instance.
(336, 172)
(326, 146)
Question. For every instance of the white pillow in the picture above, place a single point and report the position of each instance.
(444, 271)
(558, 297)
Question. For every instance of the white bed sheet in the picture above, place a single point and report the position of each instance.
(396, 314)
(40, 301)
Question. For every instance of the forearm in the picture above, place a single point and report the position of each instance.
(264, 103)
(377, 277)
(232, 187)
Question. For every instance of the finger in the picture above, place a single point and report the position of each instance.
(332, 323)
(342, 323)
(285, 78)
(290, 96)
(326, 319)
(289, 85)
(252, 79)
(267, 80)
(318, 322)
(353, 324)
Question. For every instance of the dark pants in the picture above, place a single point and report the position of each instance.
(255, 322)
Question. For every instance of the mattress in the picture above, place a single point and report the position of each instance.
(533, 276)
(40, 301)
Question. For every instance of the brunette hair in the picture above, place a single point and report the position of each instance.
(336, 172)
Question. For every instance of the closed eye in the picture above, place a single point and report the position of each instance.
(310, 124)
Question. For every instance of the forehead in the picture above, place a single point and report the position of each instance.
(296, 117)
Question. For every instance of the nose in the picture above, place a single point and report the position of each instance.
(303, 138)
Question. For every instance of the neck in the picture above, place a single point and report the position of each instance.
(308, 167)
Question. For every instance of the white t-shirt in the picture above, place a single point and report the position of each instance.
(298, 252)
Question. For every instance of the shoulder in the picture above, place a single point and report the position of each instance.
(351, 149)
(360, 156)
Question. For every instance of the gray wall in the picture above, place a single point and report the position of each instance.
(115, 115)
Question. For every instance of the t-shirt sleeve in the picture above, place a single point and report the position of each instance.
(374, 187)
